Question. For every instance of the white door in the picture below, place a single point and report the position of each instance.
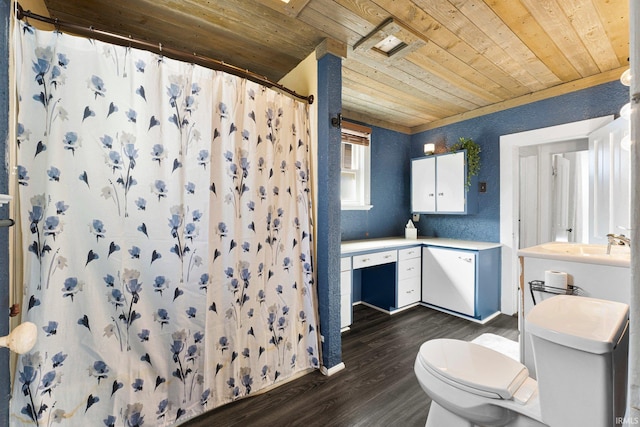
(510, 148)
(449, 279)
(528, 219)
(609, 210)
(423, 184)
(450, 181)
(562, 223)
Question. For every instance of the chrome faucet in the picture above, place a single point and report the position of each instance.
(617, 239)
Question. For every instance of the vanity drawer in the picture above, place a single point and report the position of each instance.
(376, 258)
(408, 291)
(409, 268)
(345, 263)
(409, 253)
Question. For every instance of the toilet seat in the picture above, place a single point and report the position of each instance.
(473, 368)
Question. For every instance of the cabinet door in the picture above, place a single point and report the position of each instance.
(449, 279)
(450, 182)
(345, 299)
(610, 178)
(423, 184)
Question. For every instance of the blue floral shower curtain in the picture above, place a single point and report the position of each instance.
(165, 214)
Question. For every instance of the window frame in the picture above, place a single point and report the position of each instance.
(359, 137)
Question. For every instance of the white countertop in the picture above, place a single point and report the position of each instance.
(620, 256)
(353, 246)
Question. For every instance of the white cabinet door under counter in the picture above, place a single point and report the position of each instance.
(345, 292)
(462, 282)
(450, 279)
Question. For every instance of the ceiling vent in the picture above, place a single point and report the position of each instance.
(391, 39)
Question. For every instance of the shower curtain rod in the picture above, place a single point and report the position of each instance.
(214, 64)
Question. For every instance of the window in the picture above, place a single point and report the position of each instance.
(354, 171)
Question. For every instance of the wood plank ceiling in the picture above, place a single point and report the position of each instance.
(463, 58)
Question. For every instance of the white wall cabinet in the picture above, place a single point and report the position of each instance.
(451, 172)
(438, 185)
(464, 282)
(423, 184)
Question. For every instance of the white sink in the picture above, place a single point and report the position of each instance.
(585, 249)
(580, 252)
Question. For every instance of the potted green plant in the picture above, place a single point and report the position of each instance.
(473, 156)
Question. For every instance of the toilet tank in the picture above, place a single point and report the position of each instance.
(580, 348)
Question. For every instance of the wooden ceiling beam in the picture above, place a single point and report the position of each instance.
(559, 90)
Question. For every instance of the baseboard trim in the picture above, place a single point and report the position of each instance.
(392, 312)
(332, 370)
(463, 316)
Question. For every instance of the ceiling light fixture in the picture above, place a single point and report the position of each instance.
(625, 144)
(390, 45)
(625, 78)
(391, 38)
(625, 111)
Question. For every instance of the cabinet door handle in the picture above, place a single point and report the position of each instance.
(465, 259)
(431, 194)
(365, 259)
(387, 256)
(440, 194)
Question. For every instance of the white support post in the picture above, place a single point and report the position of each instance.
(634, 328)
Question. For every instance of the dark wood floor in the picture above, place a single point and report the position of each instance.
(378, 386)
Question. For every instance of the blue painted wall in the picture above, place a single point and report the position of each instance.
(602, 100)
(390, 197)
(327, 260)
(391, 153)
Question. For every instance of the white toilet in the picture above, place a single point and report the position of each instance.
(580, 347)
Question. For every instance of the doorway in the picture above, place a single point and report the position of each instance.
(560, 210)
(510, 146)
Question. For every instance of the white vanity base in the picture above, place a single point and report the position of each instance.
(597, 276)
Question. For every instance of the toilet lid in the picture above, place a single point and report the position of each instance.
(473, 367)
